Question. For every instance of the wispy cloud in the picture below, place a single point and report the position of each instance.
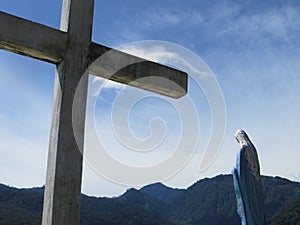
(167, 54)
(271, 24)
(98, 84)
(229, 23)
(165, 17)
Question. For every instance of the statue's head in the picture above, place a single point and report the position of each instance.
(242, 138)
(250, 153)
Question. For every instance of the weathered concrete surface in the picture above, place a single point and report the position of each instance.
(135, 68)
(31, 39)
(64, 169)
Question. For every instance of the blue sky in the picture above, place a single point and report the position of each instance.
(252, 47)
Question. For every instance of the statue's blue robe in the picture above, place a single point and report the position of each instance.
(249, 193)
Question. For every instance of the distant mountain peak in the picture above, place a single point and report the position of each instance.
(162, 192)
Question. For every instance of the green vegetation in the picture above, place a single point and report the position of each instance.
(207, 202)
(289, 214)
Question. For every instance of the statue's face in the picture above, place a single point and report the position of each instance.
(241, 137)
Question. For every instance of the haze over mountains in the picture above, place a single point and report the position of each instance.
(210, 201)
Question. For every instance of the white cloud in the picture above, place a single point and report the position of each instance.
(262, 26)
(176, 57)
(97, 84)
(230, 22)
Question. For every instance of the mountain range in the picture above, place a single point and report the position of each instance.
(210, 201)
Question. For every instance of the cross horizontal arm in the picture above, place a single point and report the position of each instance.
(134, 71)
(32, 39)
(42, 42)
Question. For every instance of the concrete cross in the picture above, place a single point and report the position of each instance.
(73, 52)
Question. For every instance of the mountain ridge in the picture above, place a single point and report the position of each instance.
(209, 201)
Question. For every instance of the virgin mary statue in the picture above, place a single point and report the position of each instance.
(247, 183)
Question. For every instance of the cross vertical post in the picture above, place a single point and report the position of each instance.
(64, 168)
